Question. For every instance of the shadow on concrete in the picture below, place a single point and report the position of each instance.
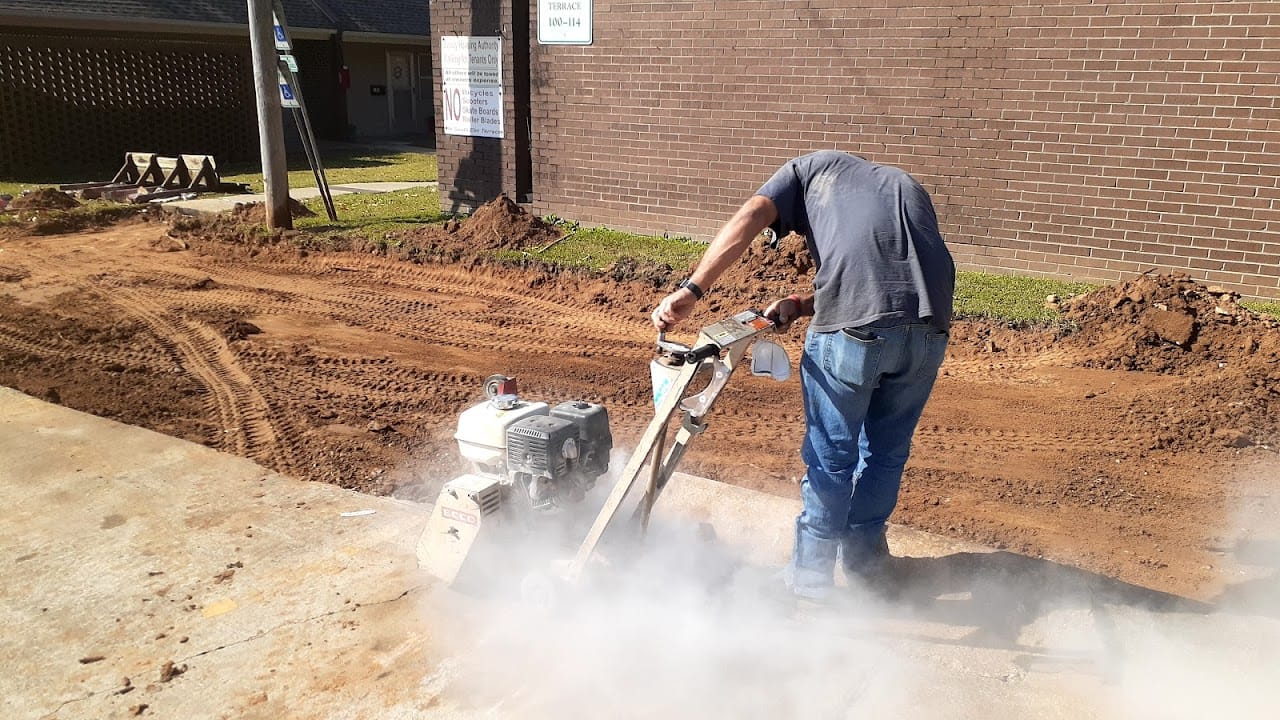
(1257, 595)
(994, 597)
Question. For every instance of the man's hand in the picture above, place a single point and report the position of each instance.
(673, 309)
(785, 310)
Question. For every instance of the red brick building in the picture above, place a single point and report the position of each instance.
(1088, 139)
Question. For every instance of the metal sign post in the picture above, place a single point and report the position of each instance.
(291, 97)
(275, 175)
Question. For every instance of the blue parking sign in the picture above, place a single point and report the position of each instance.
(282, 38)
(288, 98)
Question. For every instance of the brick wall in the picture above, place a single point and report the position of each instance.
(1087, 139)
(475, 170)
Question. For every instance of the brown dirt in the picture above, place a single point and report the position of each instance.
(349, 366)
(38, 221)
(256, 213)
(44, 199)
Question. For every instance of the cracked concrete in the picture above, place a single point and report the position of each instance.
(149, 576)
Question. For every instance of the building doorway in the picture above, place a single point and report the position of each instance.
(402, 103)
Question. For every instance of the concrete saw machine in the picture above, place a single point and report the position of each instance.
(532, 464)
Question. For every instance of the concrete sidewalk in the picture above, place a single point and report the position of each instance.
(229, 202)
(147, 575)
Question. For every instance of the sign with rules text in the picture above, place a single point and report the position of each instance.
(471, 80)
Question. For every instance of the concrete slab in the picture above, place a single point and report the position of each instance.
(128, 550)
(147, 571)
(226, 203)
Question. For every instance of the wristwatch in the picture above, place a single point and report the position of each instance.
(692, 287)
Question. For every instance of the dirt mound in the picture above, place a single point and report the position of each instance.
(1163, 323)
(44, 199)
(787, 266)
(499, 224)
(1173, 325)
(239, 329)
(256, 213)
(763, 274)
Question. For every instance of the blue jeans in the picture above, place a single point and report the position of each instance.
(864, 391)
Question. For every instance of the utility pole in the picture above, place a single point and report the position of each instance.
(266, 87)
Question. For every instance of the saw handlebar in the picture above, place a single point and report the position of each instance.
(699, 354)
(685, 353)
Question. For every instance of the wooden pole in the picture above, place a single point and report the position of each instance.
(266, 88)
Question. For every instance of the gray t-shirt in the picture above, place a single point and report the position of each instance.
(874, 238)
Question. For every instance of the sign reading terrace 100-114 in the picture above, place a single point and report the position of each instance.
(471, 74)
(564, 22)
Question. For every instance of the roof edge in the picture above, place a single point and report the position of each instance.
(110, 23)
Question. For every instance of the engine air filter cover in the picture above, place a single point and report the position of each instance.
(539, 446)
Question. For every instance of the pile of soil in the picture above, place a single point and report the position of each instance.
(1173, 325)
(765, 273)
(502, 225)
(245, 226)
(44, 199)
(1163, 323)
(256, 213)
(499, 224)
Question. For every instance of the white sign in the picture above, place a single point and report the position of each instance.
(564, 22)
(471, 60)
(288, 98)
(472, 110)
(291, 62)
(282, 38)
(471, 92)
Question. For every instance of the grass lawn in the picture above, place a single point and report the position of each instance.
(1266, 308)
(15, 187)
(1011, 298)
(343, 164)
(373, 215)
(598, 248)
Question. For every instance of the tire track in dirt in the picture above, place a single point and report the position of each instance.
(996, 439)
(559, 328)
(245, 417)
(15, 338)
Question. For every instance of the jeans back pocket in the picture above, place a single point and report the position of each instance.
(852, 356)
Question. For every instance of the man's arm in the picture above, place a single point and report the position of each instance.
(728, 245)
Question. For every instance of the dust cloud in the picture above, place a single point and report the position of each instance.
(1225, 663)
(677, 625)
(682, 632)
(682, 625)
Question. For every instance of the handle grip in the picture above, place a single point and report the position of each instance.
(699, 354)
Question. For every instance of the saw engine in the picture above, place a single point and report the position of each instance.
(527, 459)
(532, 465)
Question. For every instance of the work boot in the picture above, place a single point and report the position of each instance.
(872, 568)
